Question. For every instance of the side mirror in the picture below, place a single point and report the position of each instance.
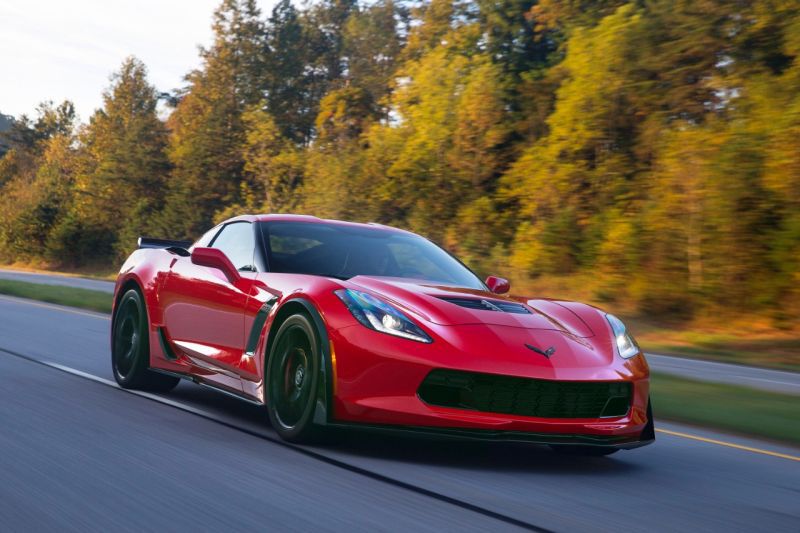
(215, 258)
(498, 285)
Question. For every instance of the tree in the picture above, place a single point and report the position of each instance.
(564, 181)
(32, 204)
(511, 37)
(51, 120)
(207, 129)
(287, 83)
(121, 184)
(371, 45)
(273, 164)
(36, 179)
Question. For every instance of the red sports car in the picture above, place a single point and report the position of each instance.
(330, 323)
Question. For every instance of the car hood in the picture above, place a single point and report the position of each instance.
(453, 306)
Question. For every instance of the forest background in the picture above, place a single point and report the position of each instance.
(644, 156)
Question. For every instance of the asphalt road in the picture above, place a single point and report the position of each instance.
(77, 453)
(748, 376)
(765, 379)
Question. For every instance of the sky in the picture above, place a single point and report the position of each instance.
(68, 49)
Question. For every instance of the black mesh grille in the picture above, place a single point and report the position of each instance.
(524, 396)
(488, 305)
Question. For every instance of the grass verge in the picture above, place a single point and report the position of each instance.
(738, 409)
(57, 294)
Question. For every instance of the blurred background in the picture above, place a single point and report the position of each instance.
(643, 156)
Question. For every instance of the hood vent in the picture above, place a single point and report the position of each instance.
(488, 305)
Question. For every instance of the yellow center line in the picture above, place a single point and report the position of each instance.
(728, 444)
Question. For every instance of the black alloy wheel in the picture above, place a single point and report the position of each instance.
(293, 378)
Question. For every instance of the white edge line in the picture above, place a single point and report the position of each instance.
(148, 395)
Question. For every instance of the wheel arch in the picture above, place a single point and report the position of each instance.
(130, 283)
(133, 282)
(299, 304)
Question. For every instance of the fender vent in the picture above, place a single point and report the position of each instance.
(165, 347)
(488, 305)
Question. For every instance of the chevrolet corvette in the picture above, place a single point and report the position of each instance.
(336, 324)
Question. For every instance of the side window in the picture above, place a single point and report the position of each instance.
(238, 243)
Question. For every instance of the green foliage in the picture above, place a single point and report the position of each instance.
(652, 147)
(207, 132)
(272, 163)
(121, 183)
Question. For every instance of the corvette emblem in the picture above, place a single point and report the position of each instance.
(547, 353)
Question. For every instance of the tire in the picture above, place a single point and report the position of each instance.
(130, 348)
(293, 375)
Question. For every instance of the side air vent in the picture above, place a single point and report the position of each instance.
(488, 305)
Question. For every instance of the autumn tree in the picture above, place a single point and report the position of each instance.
(207, 129)
(120, 185)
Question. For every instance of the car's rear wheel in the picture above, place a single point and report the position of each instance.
(130, 347)
(292, 379)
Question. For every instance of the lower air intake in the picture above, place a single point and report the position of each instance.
(526, 397)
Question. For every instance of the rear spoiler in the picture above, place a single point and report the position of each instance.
(149, 242)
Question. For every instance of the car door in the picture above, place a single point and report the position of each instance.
(204, 310)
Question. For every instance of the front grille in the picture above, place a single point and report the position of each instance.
(526, 397)
(488, 305)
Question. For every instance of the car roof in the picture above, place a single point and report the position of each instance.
(308, 219)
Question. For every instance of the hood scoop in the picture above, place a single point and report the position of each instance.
(484, 304)
(454, 306)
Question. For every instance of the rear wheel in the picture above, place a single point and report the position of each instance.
(130, 348)
(292, 379)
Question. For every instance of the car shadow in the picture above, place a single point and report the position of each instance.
(359, 445)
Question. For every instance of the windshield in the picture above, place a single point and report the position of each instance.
(347, 251)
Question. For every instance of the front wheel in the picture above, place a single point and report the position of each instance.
(292, 379)
(130, 348)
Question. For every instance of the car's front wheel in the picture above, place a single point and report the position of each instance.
(130, 347)
(292, 379)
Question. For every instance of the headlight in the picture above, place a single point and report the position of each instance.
(625, 342)
(380, 316)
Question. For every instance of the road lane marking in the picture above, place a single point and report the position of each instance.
(54, 307)
(305, 451)
(728, 444)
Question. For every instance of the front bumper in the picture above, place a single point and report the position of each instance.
(377, 378)
(459, 434)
